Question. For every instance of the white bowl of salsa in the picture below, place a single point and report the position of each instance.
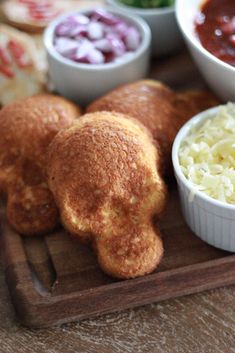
(209, 44)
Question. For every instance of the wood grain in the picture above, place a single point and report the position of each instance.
(201, 323)
(53, 279)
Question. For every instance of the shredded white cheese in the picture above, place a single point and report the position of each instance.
(207, 155)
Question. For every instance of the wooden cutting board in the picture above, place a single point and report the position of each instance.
(54, 279)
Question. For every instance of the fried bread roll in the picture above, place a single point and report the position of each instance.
(189, 103)
(27, 127)
(103, 174)
(156, 106)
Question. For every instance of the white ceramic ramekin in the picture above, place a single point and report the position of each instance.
(83, 83)
(166, 36)
(211, 220)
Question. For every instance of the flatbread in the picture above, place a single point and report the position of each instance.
(20, 72)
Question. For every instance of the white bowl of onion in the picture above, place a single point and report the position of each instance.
(92, 51)
(204, 164)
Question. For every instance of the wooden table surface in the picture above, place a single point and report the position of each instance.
(199, 323)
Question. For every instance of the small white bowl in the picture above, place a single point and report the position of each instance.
(219, 75)
(166, 37)
(211, 220)
(83, 83)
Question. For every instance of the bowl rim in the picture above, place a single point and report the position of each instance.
(182, 133)
(142, 26)
(141, 12)
(192, 38)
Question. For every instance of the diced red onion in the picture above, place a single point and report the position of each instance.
(63, 29)
(100, 38)
(78, 19)
(95, 57)
(132, 39)
(84, 48)
(103, 45)
(107, 29)
(121, 28)
(105, 17)
(80, 30)
(116, 44)
(66, 46)
(95, 30)
(109, 57)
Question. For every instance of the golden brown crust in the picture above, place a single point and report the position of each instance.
(27, 128)
(156, 106)
(28, 125)
(131, 252)
(189, 103)
(111, 190)
(147, 101)
(31, 210)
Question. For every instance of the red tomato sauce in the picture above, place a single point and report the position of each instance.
(215, 26)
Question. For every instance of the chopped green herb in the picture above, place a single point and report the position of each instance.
(147, 4)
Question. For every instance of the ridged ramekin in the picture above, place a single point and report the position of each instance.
(211, 220)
